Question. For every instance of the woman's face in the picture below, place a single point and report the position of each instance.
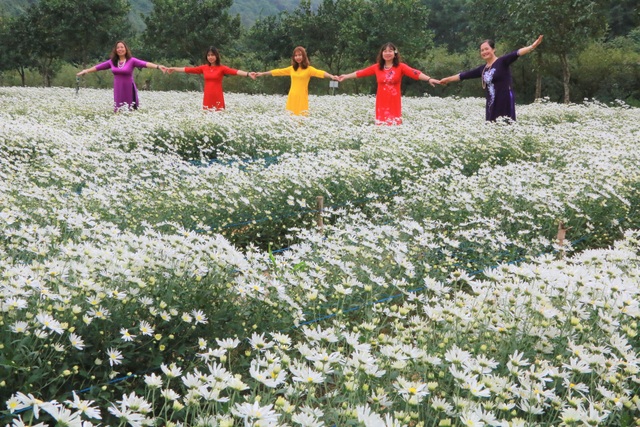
(388, 54)
(121, 49)
(211, 57)
(297, 56)
(486, 51)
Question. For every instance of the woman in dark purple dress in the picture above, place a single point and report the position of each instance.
(121, 64)
(496, 79)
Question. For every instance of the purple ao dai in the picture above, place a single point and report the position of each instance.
(125, 93)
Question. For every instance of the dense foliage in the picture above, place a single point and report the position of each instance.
(341, 36)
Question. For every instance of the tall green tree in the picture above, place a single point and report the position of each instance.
(178, 29)
(44, 39)
(89, 28)
(328, 27)
(567, 25)
(14, 46)
(270, 39)
(623, 17)
(345, 33)
(449, 21)
(375, 22)
(320, 30)
(73, 30)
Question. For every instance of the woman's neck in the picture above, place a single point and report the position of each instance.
(491, 60)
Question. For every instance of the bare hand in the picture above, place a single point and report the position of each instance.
(434, 82)
(253, 75)
(537, 42)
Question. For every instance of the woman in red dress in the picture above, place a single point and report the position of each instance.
(213, 73)
(389, 70)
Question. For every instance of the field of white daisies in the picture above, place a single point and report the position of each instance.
(164, 267)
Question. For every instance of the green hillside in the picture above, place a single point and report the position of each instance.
(249, 10)
(14, 7)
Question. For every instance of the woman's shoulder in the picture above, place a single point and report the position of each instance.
(409, 70)
(511, 56)
(135, 60)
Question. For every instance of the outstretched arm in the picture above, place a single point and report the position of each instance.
(87, 71)
(171, 70)
(347, 76)
(433, 82)
(330, 76)
(450, 79)
(529, 49)
(157, 66)
(246, 74)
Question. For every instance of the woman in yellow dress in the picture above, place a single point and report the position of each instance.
(300, 72)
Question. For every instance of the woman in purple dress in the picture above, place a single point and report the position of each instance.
(496, 79)
(121, 64)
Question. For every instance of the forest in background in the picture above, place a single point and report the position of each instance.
(591, 47)
(249, 10)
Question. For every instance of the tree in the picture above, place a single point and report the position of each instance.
(89, 28)
(344, 33)
(449, 22)
(623, 17)
(44, 42)
(375, 22)
(270, 39)
(320, 31)
(567, 25)
(14, 46)
(185, 28)
(74, 30)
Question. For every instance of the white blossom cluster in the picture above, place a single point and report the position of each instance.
(436, 294)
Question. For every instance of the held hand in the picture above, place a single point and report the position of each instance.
(163, 69)
(434, 82)
(253, 75)
(170, 70)
(340, 78)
